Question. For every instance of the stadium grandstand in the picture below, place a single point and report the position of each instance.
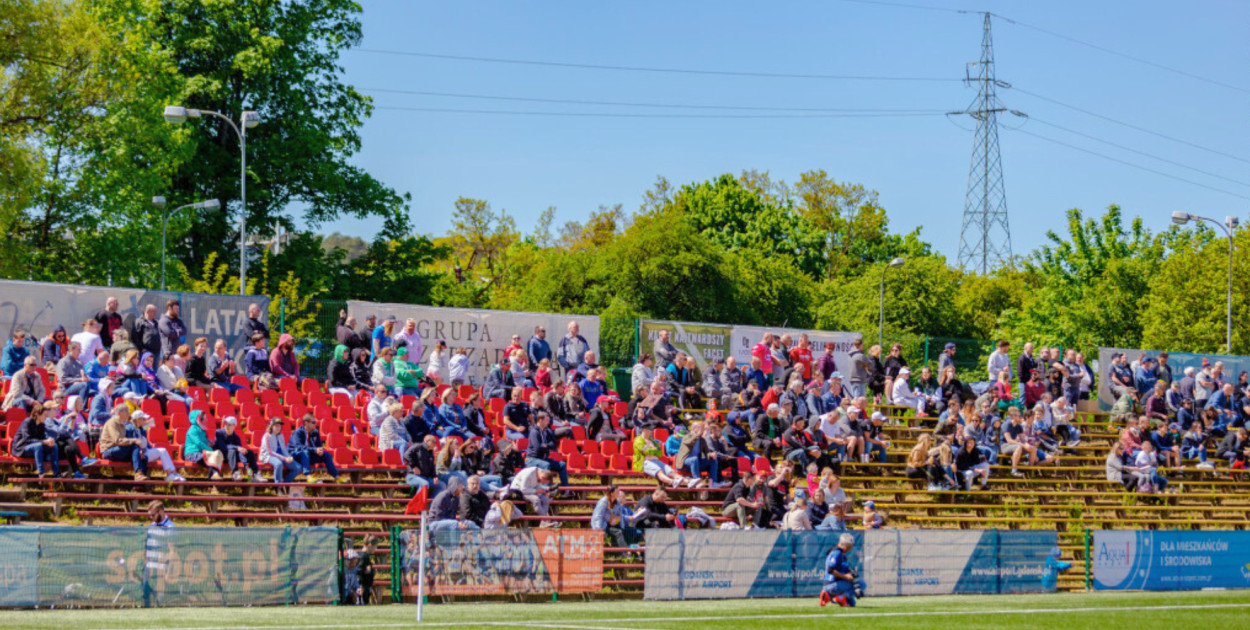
(157, 428)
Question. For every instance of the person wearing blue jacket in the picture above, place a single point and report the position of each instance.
(15, 353)
(451, 418)
(537, 348)
(612, 516)
(306, 447)
(1144, 377)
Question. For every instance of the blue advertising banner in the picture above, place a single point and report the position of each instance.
(19, 567)
(943, 562)
(1171, 560)
(695, 564)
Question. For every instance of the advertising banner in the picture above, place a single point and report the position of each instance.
(747, 337)
(19, 566)
(38, 307)
(575, 557)
(1233, 365)
(705, 342)
(733, 564)
(494, 562)
(1171, 560)
(695, 564)
(485, 334)
(133, 566)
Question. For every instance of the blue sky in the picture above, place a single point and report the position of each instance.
(919, 165)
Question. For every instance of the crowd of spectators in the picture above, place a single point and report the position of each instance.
(804, 410)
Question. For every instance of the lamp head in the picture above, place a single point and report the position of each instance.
(158, 202)
(211, 204)
(175, 114)
(897, 262)
(1180, 218)
(1231, 222)
(250, 119)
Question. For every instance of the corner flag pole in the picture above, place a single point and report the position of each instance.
(421, 572)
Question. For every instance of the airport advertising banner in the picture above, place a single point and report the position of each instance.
(38, 307)
(1171, 560)
(694, 564)
(485, 334)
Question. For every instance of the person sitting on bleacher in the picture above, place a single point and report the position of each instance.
(506, 462)
(970, 463)
(1233, 445)
(451, 419)
(903, 395)
(1147, 463)
(516, 416)
(1120, 469)
(542, 442)
(450, 461)
(647, 460)
(611, 516)
(15, 353)
(419, 458)
(384, 369)
(474, 503)
(600, 426)
(377, 410)
(227, 441)
(652, 511)
(339, 377)
(198, 450)
(118, 444)
(308, 449)
(361, 370)
(221, 367)
(768, 431)
(256, 358)
(408, 374)
(26, 389)
(445, 508)
(799, 447)
(141, 423)
(32, 440)
(282, 361)
(532, 483)
(273, 451)
(1131, 437)
(70, 374)
(1167, 444)
(392, 433)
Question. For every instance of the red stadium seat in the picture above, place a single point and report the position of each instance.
(620, 409)
(496, 405)
(621, 463)
(310, 385)
(627, 448)
(762, 466)
(339, 399)
(176, 406)
(244, 396)
(609, 448)
(330, 425)
(240, 380)
(317, 398)
(369, 457)
(218, 395)
(579, 432)
(392, 458)
(270, 397)
(152, 407)
(589, 447)
(464, 391)
(343, 457)
(744, 465)
(362, 441)
(179, 421)
(568, 446)
(336, 440)
(577, 461)
(159, 437)
(597, 463)
(286, 384)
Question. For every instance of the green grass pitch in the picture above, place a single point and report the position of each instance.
(1139, 611)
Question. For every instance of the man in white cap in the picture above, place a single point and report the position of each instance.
(875, 440)
(903, 395)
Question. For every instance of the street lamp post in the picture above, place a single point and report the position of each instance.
(177, 115)
(159, 203)
(897, 262)
(1229, 224)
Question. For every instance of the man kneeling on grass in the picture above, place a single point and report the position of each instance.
(842, 584)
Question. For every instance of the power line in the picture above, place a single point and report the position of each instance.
(650, 105)
(1138, 152)
(905, 5)
(1130, 125)
(1129, 164)
(1184, 73)
(448, 110)
(588, 66)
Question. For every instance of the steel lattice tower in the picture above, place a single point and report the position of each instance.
(985, 239)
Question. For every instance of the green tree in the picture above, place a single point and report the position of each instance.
(1186, 305)
(1089, 289)
(281, 59)
(921, 297)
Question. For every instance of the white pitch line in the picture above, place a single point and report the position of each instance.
(561, 623)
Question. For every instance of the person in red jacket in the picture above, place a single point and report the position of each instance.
(282, 361)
